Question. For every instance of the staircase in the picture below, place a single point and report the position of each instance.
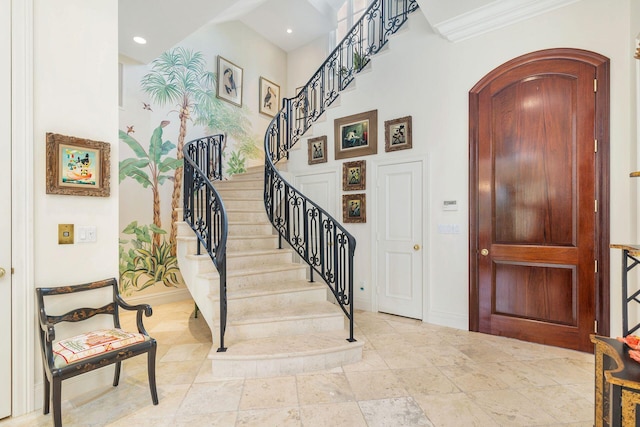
(279, 323)
(266, 318)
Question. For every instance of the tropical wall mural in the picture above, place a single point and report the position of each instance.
(167, 103)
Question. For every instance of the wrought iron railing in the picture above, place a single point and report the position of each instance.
(204, 210)
(319, 239)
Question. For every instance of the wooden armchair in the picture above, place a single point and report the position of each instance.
(93, 349)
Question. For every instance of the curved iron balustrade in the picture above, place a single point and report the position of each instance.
(204, 210)
(320, 240)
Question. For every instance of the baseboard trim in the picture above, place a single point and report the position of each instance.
(165, 297)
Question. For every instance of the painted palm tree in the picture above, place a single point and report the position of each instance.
(219, 117)
(180, 77)
(150, 168)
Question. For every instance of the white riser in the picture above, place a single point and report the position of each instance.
(239, 193)
(253, 242)
(248, 216)
(280, 327)
(272, 357)
(244, 204)
(239, 281)
(242, 262)
(249, 229)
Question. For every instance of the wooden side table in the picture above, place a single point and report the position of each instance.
(617, 384)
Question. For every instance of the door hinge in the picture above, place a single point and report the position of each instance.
(595, 207)
(595, 149)
(596, 262)
(595, 85)
(595, 325)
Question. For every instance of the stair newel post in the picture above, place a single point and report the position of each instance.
(222, 268)
(352, 249)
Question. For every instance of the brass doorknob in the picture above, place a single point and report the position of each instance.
(2, 272)
(416, 247)
(484, 252)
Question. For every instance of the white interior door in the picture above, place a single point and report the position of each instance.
(5, 210)
(399, 237)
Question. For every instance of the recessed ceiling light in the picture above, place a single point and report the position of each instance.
(140, 40)
(289, 31)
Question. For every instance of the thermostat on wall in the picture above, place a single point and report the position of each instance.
(449, 205)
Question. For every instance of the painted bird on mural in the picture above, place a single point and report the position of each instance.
(130, 129)
(146, 106)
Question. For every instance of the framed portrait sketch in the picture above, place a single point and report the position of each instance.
(229, 82)
(317, 150)
(354, 208)
(269, 102)
(354, 175)
(356, 135)
(397, 134)
(77, 166)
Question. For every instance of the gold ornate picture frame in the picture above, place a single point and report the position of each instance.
(398, 134)
(354, 176)
(77, 166)
(356, 135)
(317, 150)
(354, 208)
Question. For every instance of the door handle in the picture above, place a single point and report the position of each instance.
(484, 252)
(416, 247)
(2, 272)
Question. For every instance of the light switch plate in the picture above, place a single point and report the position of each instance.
(65, 234)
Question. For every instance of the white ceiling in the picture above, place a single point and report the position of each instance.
(164, 23)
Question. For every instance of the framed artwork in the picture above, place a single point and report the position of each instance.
(77, 166)
(354, 175)
(317, 150)
(354, 208)
(356, 135)
(397, 134)
(229, 82)
(269, 101)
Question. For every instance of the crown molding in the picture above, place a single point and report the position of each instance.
(492, 16)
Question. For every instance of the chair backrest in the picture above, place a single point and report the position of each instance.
(77, 313)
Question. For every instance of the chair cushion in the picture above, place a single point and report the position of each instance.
(93, 343)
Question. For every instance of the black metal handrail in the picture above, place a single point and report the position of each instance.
(204, 210)
(319, 239)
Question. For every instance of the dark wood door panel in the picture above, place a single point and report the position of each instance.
(544, 292)
(534, 229)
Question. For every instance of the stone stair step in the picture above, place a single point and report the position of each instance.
(285, 355)
(251, 276)
(242, 243)
(287, 320)
(244, 259)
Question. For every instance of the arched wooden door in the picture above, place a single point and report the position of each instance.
(539, 203)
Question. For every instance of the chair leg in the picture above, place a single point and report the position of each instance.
(47, 394)
(151, 368)
(116, 375)
(57, 409)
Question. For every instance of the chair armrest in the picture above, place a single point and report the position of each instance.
(140, 308)
(46, 326)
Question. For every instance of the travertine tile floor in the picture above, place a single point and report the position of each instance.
(412, 374)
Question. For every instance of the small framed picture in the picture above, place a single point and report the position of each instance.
(317, 149)
(269, 101)
(356, 135)
(354, 208)
(229, 82)
(77, 166)
(354, 175)
(397, 134)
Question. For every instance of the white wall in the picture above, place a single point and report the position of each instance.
(429, 78)
(75, 62)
